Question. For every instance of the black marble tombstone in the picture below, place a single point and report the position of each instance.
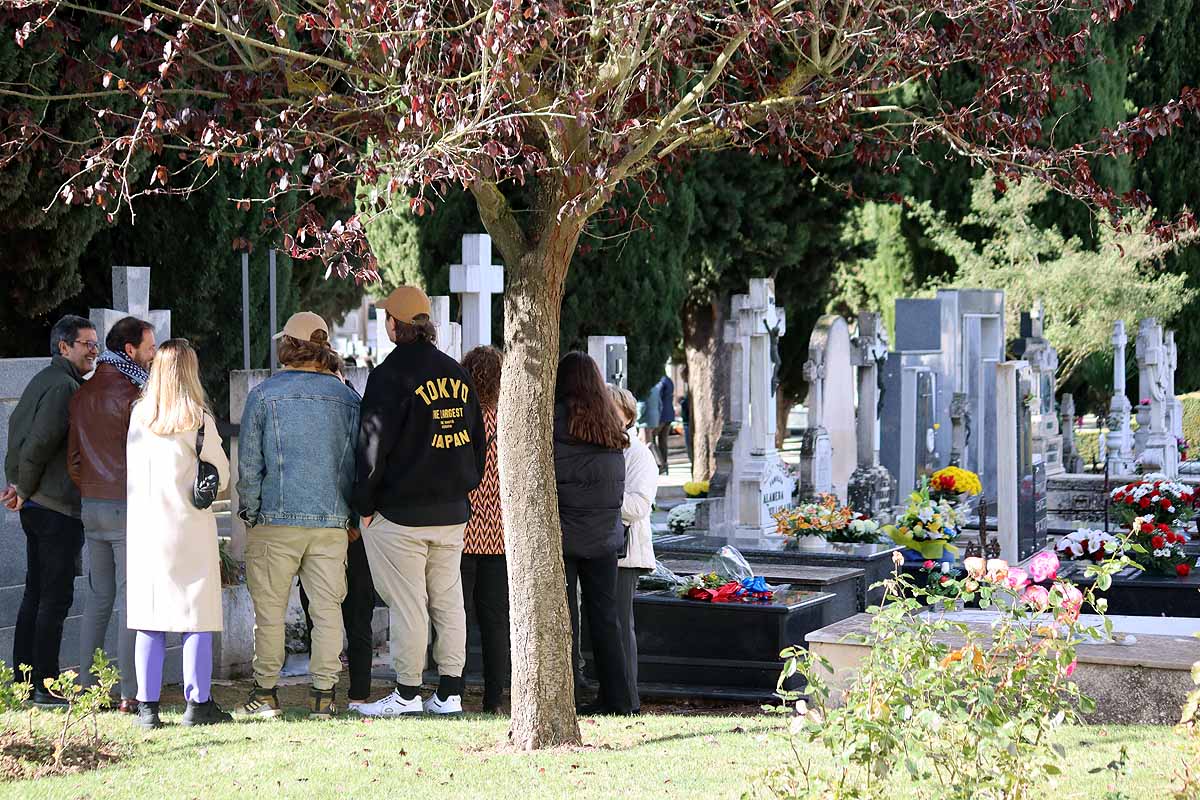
(1031, 485)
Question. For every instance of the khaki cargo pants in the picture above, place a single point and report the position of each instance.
(416, 572)
(275, 555)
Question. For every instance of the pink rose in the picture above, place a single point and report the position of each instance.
(1036, 597)
(1043, 567)
(1072, 602)
(1017, 578)
(1069, 670)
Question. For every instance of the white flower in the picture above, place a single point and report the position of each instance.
(925, 514)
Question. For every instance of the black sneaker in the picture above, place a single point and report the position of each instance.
(321, 704)
(147, 716)
(208, 713)
(43, 699)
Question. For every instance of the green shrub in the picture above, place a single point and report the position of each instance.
(941, 708)
(1088, 443)
(1191, 416)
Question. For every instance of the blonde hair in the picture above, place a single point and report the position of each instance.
(625, 402)
(173, 401)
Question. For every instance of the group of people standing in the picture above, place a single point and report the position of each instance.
(396, 493)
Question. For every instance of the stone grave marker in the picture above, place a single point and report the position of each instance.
(131, 298)
(750, 482)
(830, 375)
(944, 346)
(1156, 448)
(870, 489)
(449, 334)
(1043, 364)
(1174, 410)
(475, 280)
(1011, 377)
(611, 355)
(1118, 442)
(1072, 460)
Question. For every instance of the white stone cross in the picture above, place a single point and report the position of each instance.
(131, 298)
(763, 322)
(1119, 441)
(475, 280)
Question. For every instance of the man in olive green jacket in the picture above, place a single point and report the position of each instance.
(41, 490)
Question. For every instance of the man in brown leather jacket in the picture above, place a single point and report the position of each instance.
(96, 463)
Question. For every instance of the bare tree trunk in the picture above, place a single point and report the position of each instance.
(543, 687)
(708, 380)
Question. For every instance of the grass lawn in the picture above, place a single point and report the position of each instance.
(652, 756)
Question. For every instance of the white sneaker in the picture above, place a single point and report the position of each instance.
(451, 705)
(391, 706)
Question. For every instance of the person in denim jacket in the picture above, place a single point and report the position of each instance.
(296, 462)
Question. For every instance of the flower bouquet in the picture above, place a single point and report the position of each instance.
(681, 517)
(927, 528)
(861, 530)
(1158, 548)
(1165, 501)
(1088, 545)
(812, 523)
(954, 482)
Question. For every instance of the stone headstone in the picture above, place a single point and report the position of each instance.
(1118, 441)
(1011, 379)
(475, 280)
(750, 482)
(383, 343)
(954, 342)
(131, 298)
(611, 355)
(1174, 410)
(1033, 348)
(1031, 474)
(449, 334)
(870, 487)
(1156, 448)
(830, 375)
(1072, 460)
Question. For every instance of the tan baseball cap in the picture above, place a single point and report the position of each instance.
(302, 325)
(405, 303)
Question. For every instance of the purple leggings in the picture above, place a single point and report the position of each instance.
(150, 650)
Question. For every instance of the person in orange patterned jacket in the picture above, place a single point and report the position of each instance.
(484, 568)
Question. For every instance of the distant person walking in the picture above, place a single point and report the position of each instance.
(484, 567)
(422, 448)
(641, 485)
(40, 488)
(173, 577)
(295, 475)
(666, 418)
(589, 439)
(96, 462)
(649, 419)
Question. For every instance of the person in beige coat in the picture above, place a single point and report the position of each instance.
(173, 579)
(641, 485)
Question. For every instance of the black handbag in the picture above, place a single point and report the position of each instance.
(624, 551)
(208, 480)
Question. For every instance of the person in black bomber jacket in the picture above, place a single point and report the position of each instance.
(589, 467)
(421, 450)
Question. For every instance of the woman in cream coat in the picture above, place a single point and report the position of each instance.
(641, 485)
(173, 568)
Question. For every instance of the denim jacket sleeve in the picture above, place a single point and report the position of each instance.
(350, 463)
(251, 464)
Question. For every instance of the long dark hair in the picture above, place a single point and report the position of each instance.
(591, 415)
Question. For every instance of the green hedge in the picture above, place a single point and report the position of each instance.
(1191, 419)
(1088, 443)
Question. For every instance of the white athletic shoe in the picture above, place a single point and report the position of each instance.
(451, 705)
(391, 706)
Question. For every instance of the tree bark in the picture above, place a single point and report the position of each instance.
(708, 379)
(543, 687)
(784, 403)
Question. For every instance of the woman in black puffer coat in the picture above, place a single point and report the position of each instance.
(589, 464)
